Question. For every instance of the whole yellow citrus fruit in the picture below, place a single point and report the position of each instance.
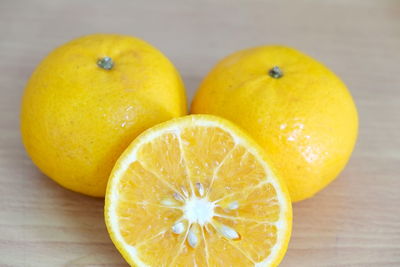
(197, 191)
(297, 109)
(88, 99)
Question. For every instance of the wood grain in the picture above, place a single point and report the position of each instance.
(354, 222)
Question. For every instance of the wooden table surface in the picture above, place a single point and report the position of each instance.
(354, 222)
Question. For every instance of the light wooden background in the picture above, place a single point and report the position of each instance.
(354, 222)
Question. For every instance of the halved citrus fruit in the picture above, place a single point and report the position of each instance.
(197, 191)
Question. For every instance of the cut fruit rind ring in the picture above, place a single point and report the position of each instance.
(197, 191)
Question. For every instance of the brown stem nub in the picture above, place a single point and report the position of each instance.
(275, 72)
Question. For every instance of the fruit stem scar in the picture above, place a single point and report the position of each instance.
(275, 72)
(105, 63)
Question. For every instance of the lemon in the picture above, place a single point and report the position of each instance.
(299, 111)
(197, 191)
(88, 99)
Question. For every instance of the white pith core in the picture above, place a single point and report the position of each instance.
(198, 210)
(197, 213)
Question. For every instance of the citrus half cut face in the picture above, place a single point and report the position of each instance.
(197, 191)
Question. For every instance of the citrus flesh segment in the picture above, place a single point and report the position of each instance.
(162, 156)
(205, 148)
(196, 191)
